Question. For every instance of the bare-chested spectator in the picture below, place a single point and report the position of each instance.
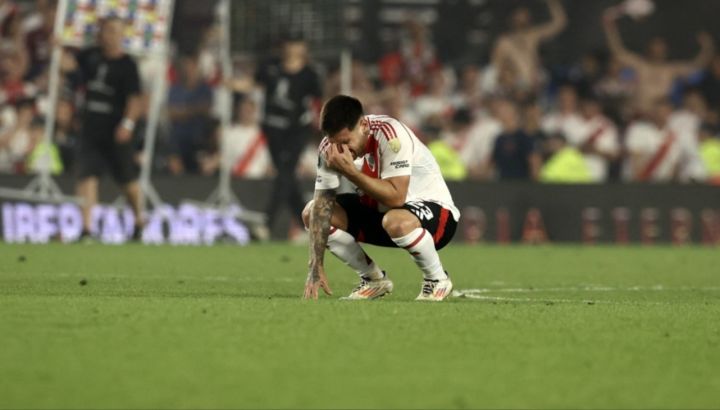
(656, 74)
(519, 46)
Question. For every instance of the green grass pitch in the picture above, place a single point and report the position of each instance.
(224, 327)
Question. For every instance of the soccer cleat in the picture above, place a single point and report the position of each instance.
(85, 238)
(435, 290)
(369, 289)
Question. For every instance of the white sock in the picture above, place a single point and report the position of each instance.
(345, 248)
(420, 244)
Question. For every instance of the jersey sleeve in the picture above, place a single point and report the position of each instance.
(326, 178)
(396, 151)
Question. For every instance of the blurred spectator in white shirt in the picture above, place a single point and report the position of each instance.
(473, 139)
(658, 153)
(596, 136)
(17, 140)
(244, 146)
(688, 119)
(566, 116)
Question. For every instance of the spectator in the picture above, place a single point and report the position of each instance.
(519, 47)
(112, 106)
(515, 155)
(451, 165)
(566, 116)
(19, 139)
(66, 133)
(615, 90)
(394, 104)
(436, 102)
(418, 57)
(584, 75)
(566, 164)
(13, 67)
(691, 115)
(244, 148)
(38, 40)
(655, 73)
(657, 153)
(597, 138)
(189, 105)
(9, 19)
(532, 120)
(468, 91)
(473, 140)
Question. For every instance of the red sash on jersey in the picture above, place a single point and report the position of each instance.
(592, 139)
(371, 148)
(242, 165)
(658, 158)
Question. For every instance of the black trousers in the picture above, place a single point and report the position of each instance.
(286, 146)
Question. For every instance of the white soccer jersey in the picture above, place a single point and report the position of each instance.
(602, 134)
(475, 148)
(393, 150)
(661, 154)
(557, 122)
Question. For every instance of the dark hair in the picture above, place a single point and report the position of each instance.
(340, 112)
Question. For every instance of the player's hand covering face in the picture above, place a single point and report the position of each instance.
(354, 140)
(340, 158)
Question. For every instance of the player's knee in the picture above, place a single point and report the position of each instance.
(397, 225)
(306, 213)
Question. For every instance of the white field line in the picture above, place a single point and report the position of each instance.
(578, 289)
(484, 294)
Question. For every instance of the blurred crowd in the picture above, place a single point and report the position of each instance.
(623, 115)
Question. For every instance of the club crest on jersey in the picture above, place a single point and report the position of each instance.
(370, 161)
(394, 145)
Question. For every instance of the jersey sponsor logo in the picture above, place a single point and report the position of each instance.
(400, 164)
(422, 211)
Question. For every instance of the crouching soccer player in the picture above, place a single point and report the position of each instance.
(401, 201)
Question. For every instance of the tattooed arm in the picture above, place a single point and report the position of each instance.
(320, 215)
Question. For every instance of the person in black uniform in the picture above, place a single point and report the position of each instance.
(112, 106)
(291, 88)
